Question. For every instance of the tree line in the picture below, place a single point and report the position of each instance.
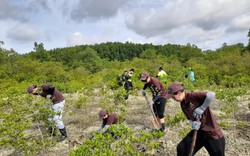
(84, 65)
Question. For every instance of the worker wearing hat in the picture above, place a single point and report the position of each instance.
(195, 105)
(58, 105)
(107, 120)
(159, 99)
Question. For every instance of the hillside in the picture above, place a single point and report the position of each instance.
(82, 122)
(87, 76)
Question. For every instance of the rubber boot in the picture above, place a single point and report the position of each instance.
(162, 127)
(63, 135)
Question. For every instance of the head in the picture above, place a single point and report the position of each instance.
(160, 68)
(103, 114)
(176, 91)
(125, 71)
(131, 70)
(145, 77)
(32, 89)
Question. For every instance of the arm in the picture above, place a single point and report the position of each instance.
(210, 97)
(110, 120)
(159, 91)
(143, 91)
(51, 89)
(158, 75)
(105, 128)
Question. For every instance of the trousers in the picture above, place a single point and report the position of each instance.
(214, 147)
(58, 111)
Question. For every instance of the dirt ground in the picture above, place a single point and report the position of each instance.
(80, 123)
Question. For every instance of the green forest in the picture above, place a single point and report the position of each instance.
(84, 68)
(74, 68)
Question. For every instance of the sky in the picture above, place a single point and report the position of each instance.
(65, 23)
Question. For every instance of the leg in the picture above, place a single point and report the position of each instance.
(58, 110)
(215, 147)
(184, 146)
(160, 106)
(126, 87)
(131, 87)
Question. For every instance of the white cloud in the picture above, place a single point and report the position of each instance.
(242, 22)
(57, 23)
(205, 14)
(75, 39)
(23, 33)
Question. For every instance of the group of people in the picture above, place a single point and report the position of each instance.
(126, 80)
(195, 106)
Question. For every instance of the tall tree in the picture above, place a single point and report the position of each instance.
(248, 35)
(38, 47)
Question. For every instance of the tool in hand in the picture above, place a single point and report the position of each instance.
(155, 120)
(193, 141)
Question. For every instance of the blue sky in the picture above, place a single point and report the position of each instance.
(64, 23)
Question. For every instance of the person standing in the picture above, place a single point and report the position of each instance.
(128, 82)
(57, 107)
(191, 75)
(158, 93)
(122, 78)
(195, 105)
(162, 75)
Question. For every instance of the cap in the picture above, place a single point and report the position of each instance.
(30, 88)
(102, 113)
(144, 76)
(173, 88)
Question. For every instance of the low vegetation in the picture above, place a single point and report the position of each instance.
(89, 73)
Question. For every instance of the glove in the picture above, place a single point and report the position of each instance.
(196, 125)
(197, 114)
(143, 93)
(156, 98)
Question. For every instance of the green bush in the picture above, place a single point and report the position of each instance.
(123, 142)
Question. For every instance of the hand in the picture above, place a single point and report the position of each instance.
(196, 125)
(197, 114)
(143, 93)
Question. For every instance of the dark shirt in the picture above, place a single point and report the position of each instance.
(56, 95)
(111, 119)
(208, 122)
(156, 88)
